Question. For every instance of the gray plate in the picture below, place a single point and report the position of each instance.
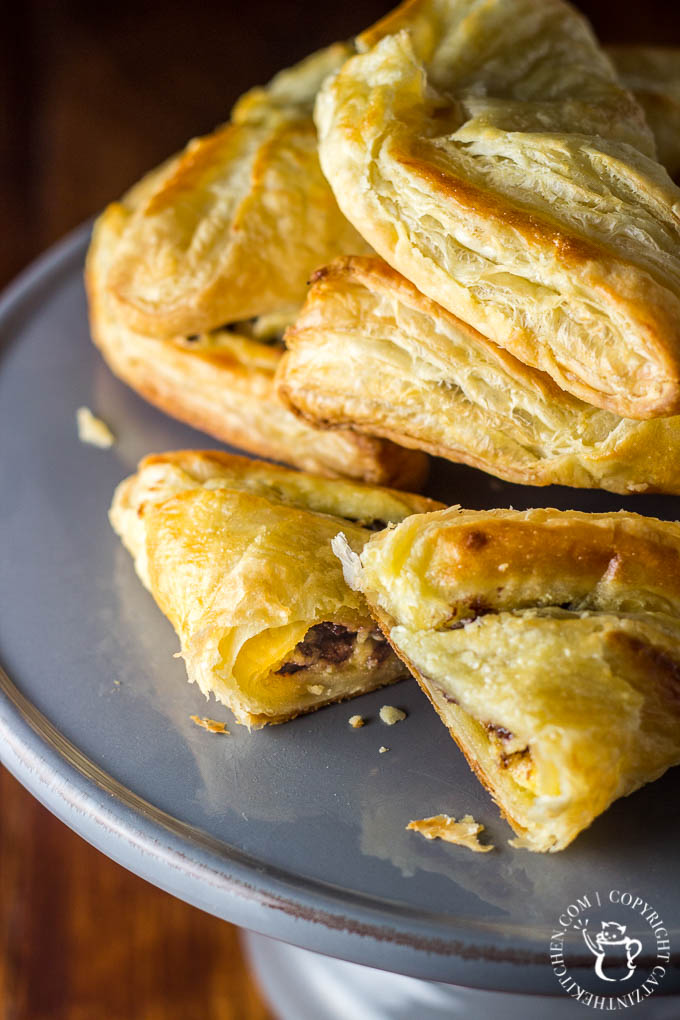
(295, 831)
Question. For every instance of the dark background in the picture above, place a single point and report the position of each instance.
(91, 97)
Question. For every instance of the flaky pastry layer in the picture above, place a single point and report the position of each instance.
(369, 351)
(489, 153)
(223, 384)
(237, 222)
(549, 644)
(237, 554)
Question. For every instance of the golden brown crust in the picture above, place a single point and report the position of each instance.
(619, 288)
(354, 501)
(513, 193)
(549, 644)
(234, 225)
(370, 351)
(224, 385)
(237, 554)
(473, 562)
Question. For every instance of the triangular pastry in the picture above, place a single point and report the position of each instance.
(222, 382)
(237, 554)
(489, 153)
(369, 351)
(233, 226)
(549, 644)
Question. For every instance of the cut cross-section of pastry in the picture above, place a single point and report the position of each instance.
(237, 554)
(234, 225)
(489, 153)
(549, 644)
(369, 351)
(223, 383)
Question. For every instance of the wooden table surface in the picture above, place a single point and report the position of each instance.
(89, 100)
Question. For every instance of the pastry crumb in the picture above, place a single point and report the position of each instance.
(211, 725)
(520, 843)
(462, 833)
(503, 566)
(315, 688)
(177, 655)
(356, 721)
(391, 715)
(93, 430)
(382, 749)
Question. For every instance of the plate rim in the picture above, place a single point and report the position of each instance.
(166, 851)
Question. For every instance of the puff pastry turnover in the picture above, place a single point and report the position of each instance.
(234, 225)
(549, 644)
(370, 351)
(489, 153)
(237, 554)
(652, 73)
(223, 383)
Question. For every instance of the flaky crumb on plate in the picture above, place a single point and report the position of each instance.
(211, 725)
(520, 843)
(391, 715)
(93, 430)
(463, 833)
(356, 721)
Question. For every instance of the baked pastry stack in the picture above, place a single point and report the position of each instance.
(193, 275)
(527, 318)
(370, 351)
(494, 255)
(518, 206)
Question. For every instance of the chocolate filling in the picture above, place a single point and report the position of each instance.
(325, 642)
(380, 650)
(500, 731)
(289, 668)
(332, 643)
(513, 759)
(445, 696)
(242, 326)
(476, 608)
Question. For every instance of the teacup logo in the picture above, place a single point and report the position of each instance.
(612, 936)
(628, 949)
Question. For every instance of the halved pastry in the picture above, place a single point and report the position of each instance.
(369, 351)
(652, 73)
(488, 152)
(223, 383)
(549, 644)
(237, 554)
